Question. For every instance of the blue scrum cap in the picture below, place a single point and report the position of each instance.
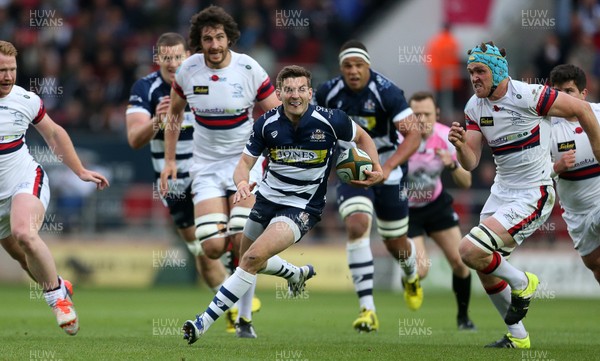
(493, 58)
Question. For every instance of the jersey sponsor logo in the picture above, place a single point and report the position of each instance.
(367, 123)
(566, 146)
(369, 106)
(509, 138)
(323, 109)
(317, 136)
(201, 89)
(295, 155)
(486, 121)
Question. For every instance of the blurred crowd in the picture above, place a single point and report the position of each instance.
(82, 57)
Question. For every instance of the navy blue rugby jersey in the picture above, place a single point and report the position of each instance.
(376, 108)
(145, 95)
(299, 158)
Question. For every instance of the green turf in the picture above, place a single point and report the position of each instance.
(144, 325)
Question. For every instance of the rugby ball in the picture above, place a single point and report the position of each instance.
(351, 165)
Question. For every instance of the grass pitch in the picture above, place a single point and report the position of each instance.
(145, 325)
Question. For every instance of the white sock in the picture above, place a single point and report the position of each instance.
(276, 266)
(52, 296)
(245, 304)
(514, 276)
(233, 288)
(409, 265)
(360, 262)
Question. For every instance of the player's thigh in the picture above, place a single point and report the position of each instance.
(592, 260)
(26, 214)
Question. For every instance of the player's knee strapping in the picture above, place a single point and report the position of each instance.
(485, 238)
(392, 229)
(356, 205)
(237, 221)
(211, 226)
(195, 247)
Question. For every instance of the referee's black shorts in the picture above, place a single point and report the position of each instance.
(436, 216)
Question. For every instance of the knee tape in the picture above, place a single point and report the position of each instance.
(237, 221)
(392, 229)
(195, 247)
(211, 226)
(486, 239)
(356, 204)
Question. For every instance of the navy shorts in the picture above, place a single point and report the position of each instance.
(264, 211)
(436, 216)
(390, 201)
(181, 208)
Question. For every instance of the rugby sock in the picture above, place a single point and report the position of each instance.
(276, 266)
(499, 294)
(234, 287)
(409, 265)
(462, 292)
(53, 295)
(245, 303)
(360, 262)
(500, 268)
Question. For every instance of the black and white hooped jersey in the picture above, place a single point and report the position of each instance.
(221, 101)
(299, 159)
(146, 94)
(517, 129)
(578, 188)
(18, 110)
(376, 108)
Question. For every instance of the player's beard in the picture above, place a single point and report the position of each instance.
(216, 64)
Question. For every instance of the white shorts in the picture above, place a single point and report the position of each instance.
(215, 179)
(584, 229)
(520, 211)
(35, 182)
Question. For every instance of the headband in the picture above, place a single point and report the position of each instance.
(354, 52)
(490, 56)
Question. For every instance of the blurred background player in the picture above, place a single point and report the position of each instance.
(24, 186)
(379, 107)
(221, 88)
(577, 171)
(291, 198)
(148, 105)
(430, 206)
(513, 118)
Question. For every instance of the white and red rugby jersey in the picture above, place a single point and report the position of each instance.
(222, 101)
(18, 110)
(579, 187)
(517, 129)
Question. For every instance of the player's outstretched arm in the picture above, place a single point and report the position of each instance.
(61, 145)
(567, 106)
(365, 142)
(241, 177)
